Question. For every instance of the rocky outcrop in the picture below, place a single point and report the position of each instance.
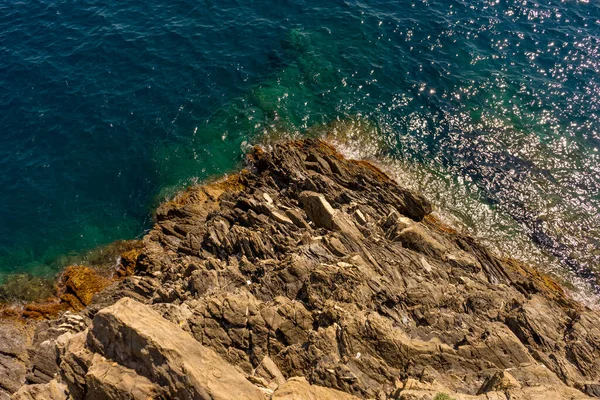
(138, 338)
(15, 338)
(306, 276)
(130, 352)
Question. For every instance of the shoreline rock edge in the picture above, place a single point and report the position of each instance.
(308, 275)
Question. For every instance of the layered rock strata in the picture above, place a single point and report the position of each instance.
(309, 276)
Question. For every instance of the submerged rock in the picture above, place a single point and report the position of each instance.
(306, 276)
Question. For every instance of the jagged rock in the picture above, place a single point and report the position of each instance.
(15, 337)
(318, 210)
(464, 260)
(297, 219)
(507, 389)
(323, 215)
(74, 362)
(12, 373)
(282, 219)
(44, 360)
(500, 382)
(269, 370)
(306, 264)
(138, 338)
(417, 238)
(360, 217)
(52, 390)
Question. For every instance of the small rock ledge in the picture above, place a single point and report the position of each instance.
(308, 276)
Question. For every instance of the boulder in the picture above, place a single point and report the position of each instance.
(325, 216)
(416, 238)
(138, 338)
(52, 390)
(318, 210)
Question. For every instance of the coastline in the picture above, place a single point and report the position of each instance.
(338, 253)
(355, 138)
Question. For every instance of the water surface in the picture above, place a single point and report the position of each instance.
(491, 108)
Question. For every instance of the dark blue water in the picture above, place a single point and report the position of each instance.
(489, 107)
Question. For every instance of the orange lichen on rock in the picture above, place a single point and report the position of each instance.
(378, 173)
(216, 189)
(543, 282)
(80, 284)
(48, 309)
(10, 312)
(256, 153)
(199, 194)
(128, 262)
(75, 289)
(434, 222)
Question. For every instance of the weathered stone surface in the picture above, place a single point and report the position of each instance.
(52, 390)
(74, 362)
(417, 238)
(269, 370)
(500, 382)
(15, 338)
(506, 388)
(299, 389)
(323, 215)
(44, 359)
(306, 264)
(136, 337)
(318, 209)
(106, 379)
(12, 373)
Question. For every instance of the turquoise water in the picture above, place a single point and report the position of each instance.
(490, 107)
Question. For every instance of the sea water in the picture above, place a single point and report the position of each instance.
(490, 108)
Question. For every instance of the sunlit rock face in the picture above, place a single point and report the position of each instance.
(308, 275)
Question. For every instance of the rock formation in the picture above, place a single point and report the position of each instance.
(308, 276)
